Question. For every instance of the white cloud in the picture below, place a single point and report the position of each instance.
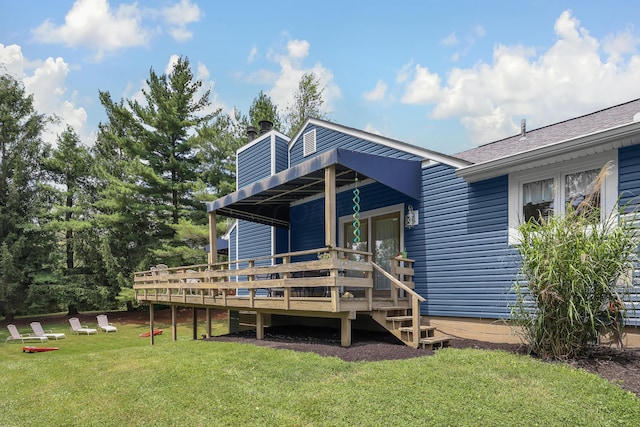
(568, 79)
(298, 48)
(94, 25)
(46, 81)
(253, 53)
(479, 31)
(424, 88)
(620, 44)
(450, 40)
(378, 92)
(103, 29)
(178, 16)
(284, 82)
(373, 129)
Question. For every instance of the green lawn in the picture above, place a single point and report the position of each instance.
(119, 379)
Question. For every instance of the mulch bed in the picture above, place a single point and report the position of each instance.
(620, 367)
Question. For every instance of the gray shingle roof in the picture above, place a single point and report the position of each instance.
(568, 129)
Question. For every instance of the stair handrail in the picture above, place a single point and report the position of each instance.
(415, 298)
(398, 283)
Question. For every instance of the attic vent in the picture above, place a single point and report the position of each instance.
(309, 141)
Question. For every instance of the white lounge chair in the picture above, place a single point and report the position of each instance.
(80, 329)
(39, 331)
(103, 323)
(17, 336)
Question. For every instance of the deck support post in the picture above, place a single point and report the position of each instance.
(151, 336)
(330, 206)
(345, 331)
(208, 327)
(194, 323)
(259, 325)
(213, 239)
(174, 323)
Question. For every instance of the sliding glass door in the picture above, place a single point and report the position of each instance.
(379, 234)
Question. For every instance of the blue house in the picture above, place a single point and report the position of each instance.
(338, 226)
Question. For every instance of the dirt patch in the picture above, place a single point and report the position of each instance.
(619, 367)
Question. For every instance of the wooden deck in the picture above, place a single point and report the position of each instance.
(326, 282)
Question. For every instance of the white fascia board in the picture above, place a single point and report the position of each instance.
(429, 156)
(271, 134)
(606, 140)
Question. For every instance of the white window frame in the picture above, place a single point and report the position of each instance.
(558, 171)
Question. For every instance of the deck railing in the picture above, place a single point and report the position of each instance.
(288, 275)
(326, 274)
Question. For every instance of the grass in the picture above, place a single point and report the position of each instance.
(119, 379)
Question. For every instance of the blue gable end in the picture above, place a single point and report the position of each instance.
(327, 139)
(469, 267)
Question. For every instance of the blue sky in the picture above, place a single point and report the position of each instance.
(442, 75)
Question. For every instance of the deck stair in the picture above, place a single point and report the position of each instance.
(399, 321)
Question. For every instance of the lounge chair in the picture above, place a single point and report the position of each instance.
(39, 331)
(17, 336)
(81, 329)
(103, 323)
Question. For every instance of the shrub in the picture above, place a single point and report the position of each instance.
(575, 273)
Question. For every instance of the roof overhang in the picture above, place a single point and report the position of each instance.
(268, 201)
(582, 146)
(429, 157)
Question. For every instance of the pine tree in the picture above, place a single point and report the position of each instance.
(264, 109)
(24, 244)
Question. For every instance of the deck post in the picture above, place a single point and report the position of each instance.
(213, 239)
(345, 331)
(194, 323)
(174, 323)
(330, 206)
(259, 325)
(208, 327)
(151, 336)
(415, 312)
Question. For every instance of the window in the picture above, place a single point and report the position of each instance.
(546, 191)
(537, 199)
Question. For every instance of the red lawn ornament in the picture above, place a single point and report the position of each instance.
(148, 334)
(32, 349)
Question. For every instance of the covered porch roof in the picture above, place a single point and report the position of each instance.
(267, 201)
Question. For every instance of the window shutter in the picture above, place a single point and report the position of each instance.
(309, 143)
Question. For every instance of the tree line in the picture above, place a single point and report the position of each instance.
(76, 221)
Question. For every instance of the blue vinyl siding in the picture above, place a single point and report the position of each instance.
(629, 189)
(307, 220)
(327, 139)
(282, 154)
(233, 248)
(282, 241)
(254, 241)
(469, 268)
(254, 163)
(629, 176)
